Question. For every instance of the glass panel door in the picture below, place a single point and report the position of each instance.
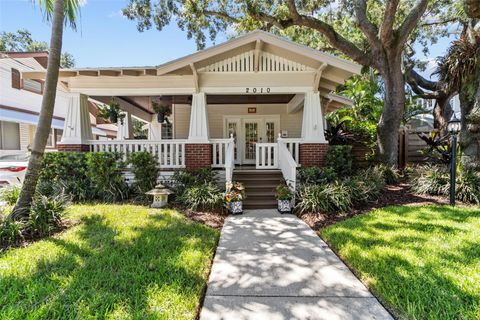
(233, 129)
(270, 131)
(251, 130)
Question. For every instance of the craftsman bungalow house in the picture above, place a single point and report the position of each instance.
(258, 100)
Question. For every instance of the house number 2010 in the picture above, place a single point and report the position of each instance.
(257, 90)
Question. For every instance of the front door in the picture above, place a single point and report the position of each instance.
(252, 133)
(248, 131)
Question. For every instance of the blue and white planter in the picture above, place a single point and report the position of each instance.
(284, 206)
(235, 207)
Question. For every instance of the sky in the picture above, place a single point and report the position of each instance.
(105, 38)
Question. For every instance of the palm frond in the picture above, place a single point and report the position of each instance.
(71, 11)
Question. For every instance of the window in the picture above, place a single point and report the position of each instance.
(54, 137)
(16, 80)
(167, 131)
(51, 139)
(33, 86)
(9, 135)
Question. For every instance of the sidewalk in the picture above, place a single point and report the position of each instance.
(272, 266)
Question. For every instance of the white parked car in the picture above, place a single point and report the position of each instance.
(13, 168)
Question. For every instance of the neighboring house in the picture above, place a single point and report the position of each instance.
(268, 93)
(424, 122)
(20, 103)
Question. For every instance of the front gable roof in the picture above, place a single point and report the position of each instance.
(262, 41)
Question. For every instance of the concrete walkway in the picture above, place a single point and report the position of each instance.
(272, 266)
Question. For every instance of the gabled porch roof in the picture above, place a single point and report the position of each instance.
(256, 59)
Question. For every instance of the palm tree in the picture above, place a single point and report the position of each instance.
(57, 11)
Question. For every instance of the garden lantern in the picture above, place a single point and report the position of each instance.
(160, 196)
(454, 126)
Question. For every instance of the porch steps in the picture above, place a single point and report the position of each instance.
(260, 187)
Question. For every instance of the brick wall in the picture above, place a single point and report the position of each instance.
(73, 147)
(313, 154)
(198, 155)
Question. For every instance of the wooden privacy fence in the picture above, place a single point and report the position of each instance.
(411, 149)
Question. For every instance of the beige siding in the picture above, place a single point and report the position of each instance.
(181, 120)
(216, 113)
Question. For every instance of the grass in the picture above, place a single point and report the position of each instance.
(120, 262)
(422, 262)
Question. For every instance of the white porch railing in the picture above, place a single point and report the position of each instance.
(287, 164)
(170, 153)
(293, 145)
(219, 150)
(266, 155)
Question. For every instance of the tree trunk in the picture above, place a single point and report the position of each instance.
(390, 120)
(469, 139)
(442, 113)
(21, 209)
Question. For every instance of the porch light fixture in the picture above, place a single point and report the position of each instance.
(453, 127)
(160, 196)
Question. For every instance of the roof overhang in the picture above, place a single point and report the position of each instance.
(318, 71)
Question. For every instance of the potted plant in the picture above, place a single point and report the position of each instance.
(234, 196)
(162, 111)
(111, 112)
(284, 197)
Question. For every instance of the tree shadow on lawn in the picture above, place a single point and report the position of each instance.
(156, 270)
(402, 260)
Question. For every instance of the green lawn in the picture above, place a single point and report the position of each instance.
(120, 262)
(422, 262)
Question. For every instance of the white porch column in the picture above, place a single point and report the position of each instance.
(198, 119)
(77, 129)
(125, 129)
(312, 125)
(154, 129)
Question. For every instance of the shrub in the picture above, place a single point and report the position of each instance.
(328, 198)
(339, 157)
(283, 192)
(10, 231)
(10, 194)
(184, 179)
(316, 175)
(65, 173)
(468, 187)
(104, 169)
(435, 180)
(202, 197)
(146, 171)
(46, 214)
(390, 174)
(366, 186)
(432, 180)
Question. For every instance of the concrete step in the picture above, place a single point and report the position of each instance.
(260, 187)
(259, 204)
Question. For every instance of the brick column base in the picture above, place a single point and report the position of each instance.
(313, 154)
(73, 147)
(198, 155)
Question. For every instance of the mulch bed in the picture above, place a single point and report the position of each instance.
(212, 219)
(392, 195)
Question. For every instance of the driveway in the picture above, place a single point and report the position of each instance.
(272, 266)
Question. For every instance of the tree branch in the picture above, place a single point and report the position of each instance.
(333, 37)
(368, 28)
(410, 22)
(386, 28)
(422, 82)
(219, 14)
